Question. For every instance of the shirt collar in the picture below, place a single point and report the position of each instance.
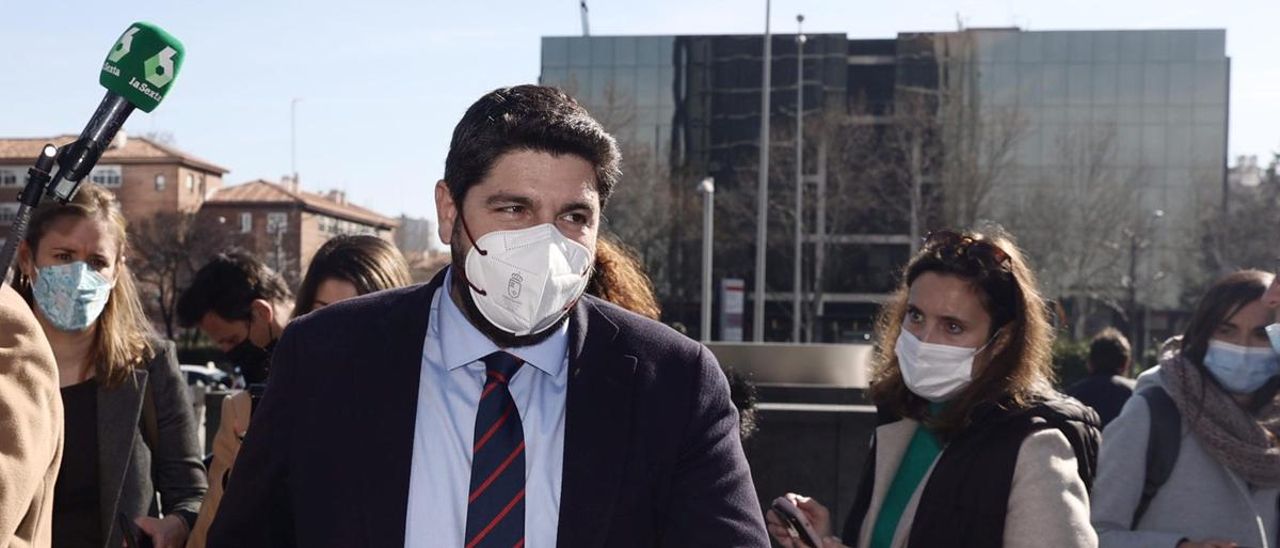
(461, 343)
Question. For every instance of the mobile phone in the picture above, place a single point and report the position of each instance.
(133, 537)
(796, 521)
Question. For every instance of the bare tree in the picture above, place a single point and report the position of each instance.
(1089, 217)
(168, 249)
(641, 210)
(977, 141)
(1241, 233)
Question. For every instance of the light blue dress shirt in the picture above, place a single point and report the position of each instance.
(448, 395)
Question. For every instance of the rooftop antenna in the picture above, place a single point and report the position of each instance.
(586, 27)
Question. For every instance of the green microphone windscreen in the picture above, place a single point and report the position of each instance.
(143, 65)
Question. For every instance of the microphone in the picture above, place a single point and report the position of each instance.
(138, 73)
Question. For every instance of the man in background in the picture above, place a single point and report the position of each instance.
(1106, 388)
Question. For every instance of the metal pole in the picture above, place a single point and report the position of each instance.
(708, 190)
(818, 282)
(762, 193)
(797, 282)
(293, 138)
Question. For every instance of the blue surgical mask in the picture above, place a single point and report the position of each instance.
(1241, 370)
(72, 295)
(1273, 333)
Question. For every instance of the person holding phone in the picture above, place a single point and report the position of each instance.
(130, 429)
(975, 448)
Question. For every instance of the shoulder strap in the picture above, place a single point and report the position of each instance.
(1163, 444)
(1082, 432)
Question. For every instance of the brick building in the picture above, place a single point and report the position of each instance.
(148, 177)
(285, 225)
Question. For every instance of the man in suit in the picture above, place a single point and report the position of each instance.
(497, 405)
(1106, 388)
(31, 427)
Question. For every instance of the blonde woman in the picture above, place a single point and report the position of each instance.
(129, 428)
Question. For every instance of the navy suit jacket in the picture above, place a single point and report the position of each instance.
(651, 457)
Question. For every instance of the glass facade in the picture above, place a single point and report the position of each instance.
(1147, 109)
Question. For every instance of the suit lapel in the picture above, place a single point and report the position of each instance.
(598, 423)
(892, 440)
(389, 405)
(118, 411)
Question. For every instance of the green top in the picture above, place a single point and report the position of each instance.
(923, 450)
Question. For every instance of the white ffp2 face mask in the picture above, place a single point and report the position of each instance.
(524, 281)
(935, 372)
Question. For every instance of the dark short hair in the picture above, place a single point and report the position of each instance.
(367, 262)
(227, 286)
(528, 117)
(1109, 352)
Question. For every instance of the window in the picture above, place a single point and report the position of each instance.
(277, 222)
(9, 177)
(246, 222)
(191, 182)
(160, 182)
(9, 212)
(108, 176)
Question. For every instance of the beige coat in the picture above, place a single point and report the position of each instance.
(226, 445)
(1048, 505)
(31, 426)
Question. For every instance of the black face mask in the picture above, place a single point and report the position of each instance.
(254, 361)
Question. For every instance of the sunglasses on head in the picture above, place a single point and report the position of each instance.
(950, 245)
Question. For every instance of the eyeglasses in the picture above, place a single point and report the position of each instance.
(950, 245)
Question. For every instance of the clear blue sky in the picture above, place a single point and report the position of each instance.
(383, 82)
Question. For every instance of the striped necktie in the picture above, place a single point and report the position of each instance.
(495, 507)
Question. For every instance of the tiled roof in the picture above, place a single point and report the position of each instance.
(135, 149)
(266, 192)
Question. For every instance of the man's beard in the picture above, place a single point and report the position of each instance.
(460, 291)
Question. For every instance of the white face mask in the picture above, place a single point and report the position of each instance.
(935, 372)
(524, 281)
(1273, 333)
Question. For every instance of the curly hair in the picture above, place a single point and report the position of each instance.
(620, 279)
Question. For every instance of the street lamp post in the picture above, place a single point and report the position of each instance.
(1138, 241)
(762, 192)
(708, 190)
(797, 279)
(293, 138)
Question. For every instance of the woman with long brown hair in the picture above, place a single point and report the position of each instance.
(975, 448)
(349, 266)
(129, 427)
(1215, 391)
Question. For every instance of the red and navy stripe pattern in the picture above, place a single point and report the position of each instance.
(495, 505)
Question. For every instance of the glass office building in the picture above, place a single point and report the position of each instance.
(685, 107)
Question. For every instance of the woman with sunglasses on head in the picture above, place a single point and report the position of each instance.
(1210, 413)
(975, 448)
(130, 431)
